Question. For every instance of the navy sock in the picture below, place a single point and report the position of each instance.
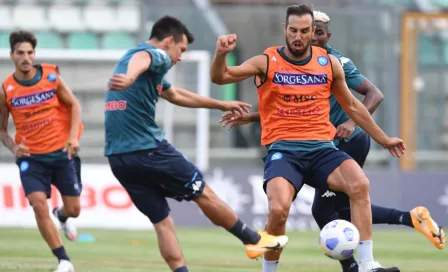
(61, 217)
(382, 215)
(181, 269)
(60, 253)
(349, 265)
(244, 233)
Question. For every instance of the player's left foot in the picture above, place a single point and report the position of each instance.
(68, 228)
(423, 222)
(65, 266)
(266, 243)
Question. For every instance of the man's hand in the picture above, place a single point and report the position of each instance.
(72, 148)
(119, 82)
(226, 43)
(233, 120)
(22, 150)
(345, 130)
(236, 107)
(395, 146)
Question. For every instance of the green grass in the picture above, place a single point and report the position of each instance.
(206, 250)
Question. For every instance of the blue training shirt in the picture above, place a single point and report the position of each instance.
(130, 114)
(354, 79)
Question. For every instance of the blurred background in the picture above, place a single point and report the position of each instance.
(400, 45)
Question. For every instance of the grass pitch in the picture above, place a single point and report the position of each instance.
(206, 250)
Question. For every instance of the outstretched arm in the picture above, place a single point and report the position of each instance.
(7, 140)
(185, 98)
(358, 112)
(220, 73)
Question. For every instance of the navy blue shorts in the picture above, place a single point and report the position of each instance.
(303, 167)
(328, 205)
(151, 176)
(38, 176)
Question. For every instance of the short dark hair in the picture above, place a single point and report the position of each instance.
(21, 36)
(169, 26)
(299, 10)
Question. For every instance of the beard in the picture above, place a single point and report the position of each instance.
(298, 53)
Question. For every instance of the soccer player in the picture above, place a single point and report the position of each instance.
(147, 166)
(294, 85)
(47, 117)
(351, 139)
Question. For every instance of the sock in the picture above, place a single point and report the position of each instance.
(270, 266)
(181, 269)
(60, 253)
(349, 265)
(382, 215)
(365, 251)
(244, 233)
(61, 217)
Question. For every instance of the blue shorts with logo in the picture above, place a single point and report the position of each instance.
(150, 176)
(303, 167)
(38, 176)
(328, 206)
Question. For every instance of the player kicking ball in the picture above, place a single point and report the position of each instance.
(47, 117)
(146, 165)
(351, 139)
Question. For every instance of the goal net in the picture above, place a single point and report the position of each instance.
(87, 73)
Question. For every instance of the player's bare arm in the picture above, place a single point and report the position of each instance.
(139, 63)
(358, 112)
(7, 141)
(220, 73)
(66, 96)
(185, 98)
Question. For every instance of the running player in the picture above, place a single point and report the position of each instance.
(294, 86)
(147, 166)
(349, 138)
(47, 117)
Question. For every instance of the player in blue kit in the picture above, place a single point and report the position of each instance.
(350, 138)
(146, 165)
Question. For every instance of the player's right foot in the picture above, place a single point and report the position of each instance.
(65, 266)
(266, 243)
(373, 266)
(423, 222)
(68, 228)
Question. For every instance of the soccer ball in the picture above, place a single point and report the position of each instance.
(339, 239)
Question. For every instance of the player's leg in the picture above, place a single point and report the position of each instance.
(66, 174)
(185, 181)
(149, 200)
(419, 218)
(36, 184)
(282, 182)
(343, 174)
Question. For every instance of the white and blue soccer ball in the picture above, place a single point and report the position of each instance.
(339, 239)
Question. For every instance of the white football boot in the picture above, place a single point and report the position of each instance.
(373, 266)
(65, 266)
(68, 228)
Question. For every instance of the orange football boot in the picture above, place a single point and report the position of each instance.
(266, 243)
(423, 222)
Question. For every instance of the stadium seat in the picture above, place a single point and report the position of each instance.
(128, 18)
(445, 49)
(82, 40)
(5, 18)
(49, 40)
(118, 40)
(100, 18)
(29, 17)
(65, 18)
(4, 40)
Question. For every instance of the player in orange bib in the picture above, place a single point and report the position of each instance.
(47, 117)
(294, 85)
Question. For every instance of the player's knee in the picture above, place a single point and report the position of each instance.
(40, 208)
(73, 210)
(278, 211)
(359, 187)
